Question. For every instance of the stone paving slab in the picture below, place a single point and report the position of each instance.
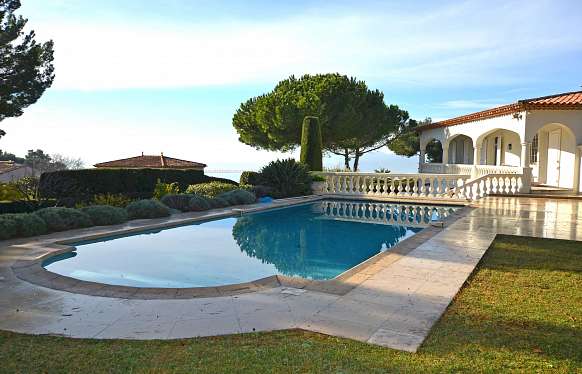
(393, 302)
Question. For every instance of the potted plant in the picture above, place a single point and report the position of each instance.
(317, 183)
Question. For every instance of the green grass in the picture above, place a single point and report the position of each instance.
(521, 311)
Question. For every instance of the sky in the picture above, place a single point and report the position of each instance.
(156, 76)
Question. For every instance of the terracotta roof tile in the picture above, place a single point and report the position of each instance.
(567, 101)
(7, 166)
(150, 161)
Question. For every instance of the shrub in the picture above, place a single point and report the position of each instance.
(21, 225)
(317, 177)
(102, 215)
(61, 219)
(118, 200)
(180, 202)
(9, 192)
(133, 183)
(219, 202)
(199, 203)
(250, 178)
(238, 197)
(147, 209)
(162, 189)
(311, 154)
(287, 178)
(211, 189)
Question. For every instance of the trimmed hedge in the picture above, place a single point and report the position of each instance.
(61, 219)
(134, 183)
(179, 202)
(199, 203)
(251, 178)
(219, 202)
(21, 225)
(238, 197)
(24, 206)
(103, 215)
(147, 209)
(211, 189)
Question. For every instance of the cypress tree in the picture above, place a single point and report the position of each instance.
(311, 144)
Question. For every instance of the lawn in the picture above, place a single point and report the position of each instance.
(521, 311)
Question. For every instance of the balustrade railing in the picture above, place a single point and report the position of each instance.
(422, 186)
(393, 185)
(465, 169)
(493, 184)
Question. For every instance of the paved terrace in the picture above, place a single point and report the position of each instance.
(393, 302)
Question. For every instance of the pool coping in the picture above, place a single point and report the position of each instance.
(32, 271)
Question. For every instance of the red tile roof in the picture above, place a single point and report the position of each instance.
(153, 162)
(7, 166)
(567, 101)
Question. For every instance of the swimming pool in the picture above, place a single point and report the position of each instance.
(316, 241)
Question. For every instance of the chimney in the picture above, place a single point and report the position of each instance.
(162, 159)
(142, 154)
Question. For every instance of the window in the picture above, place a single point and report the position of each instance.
(533, 152)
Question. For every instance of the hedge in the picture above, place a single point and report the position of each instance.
(21, 225)
(103, 215)
(142, 209)
(134, 183)
(62, 219)
(22, 206)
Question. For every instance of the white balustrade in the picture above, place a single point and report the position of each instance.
(393, 185)
(466, 169)
(422, 186)
(493, 184)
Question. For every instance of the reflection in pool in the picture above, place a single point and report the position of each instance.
(315, 241)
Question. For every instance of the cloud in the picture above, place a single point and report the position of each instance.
(470, 43)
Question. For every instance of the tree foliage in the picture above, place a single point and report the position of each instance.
(354, 120)
(26, 68)
(407, 141)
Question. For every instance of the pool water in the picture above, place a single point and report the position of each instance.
(315, 241)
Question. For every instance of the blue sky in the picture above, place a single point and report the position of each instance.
(153, 76)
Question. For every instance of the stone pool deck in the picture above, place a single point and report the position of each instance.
(392, 302)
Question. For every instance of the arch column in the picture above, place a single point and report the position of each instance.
(577, 163)
(445, 153)
(525, 153)
(525, 169)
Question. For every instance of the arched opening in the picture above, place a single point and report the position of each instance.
(460, 150)
(499, 147)
(554, 156)
(434, 152)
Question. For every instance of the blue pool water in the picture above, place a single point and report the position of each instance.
(316, 241)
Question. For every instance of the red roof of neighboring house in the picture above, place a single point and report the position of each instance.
(567, 100)
(8, 166)
(153, 162)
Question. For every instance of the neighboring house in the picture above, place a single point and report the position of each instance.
(540, 138)
(10, 171)
(151, 162)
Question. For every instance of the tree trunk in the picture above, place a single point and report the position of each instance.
(357, 160)
(347, 159)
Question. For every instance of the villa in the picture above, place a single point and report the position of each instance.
(539, 138)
